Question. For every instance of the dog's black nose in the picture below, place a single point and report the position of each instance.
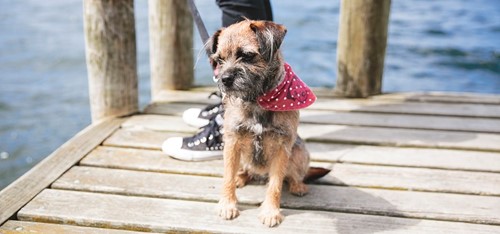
(227, 79)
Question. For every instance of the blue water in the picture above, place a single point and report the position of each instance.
(444, 45)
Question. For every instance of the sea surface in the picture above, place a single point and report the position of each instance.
(444, 45)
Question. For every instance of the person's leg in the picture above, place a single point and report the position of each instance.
(207, 143)
(232, 11)
(269, 10)
(236, 10)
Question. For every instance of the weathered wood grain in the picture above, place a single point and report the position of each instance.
(111, 57)
(448, 170)
(362, 40)
(370, 105)
(401, 107)
(139, 138)
(158, 123)
(420, 96)
(442, 206)
(444, 97)
(14, 226)
(414, 179)
(418, 179)
(400, 137)
(486, 125)
(169, 96)
(175, 108)
(366, 155)
(18, 193)
(164, 215)
(406, 157)
(426, 122)
(148, 160)
(170, 46)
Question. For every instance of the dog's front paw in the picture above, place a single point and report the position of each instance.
(228, 209)
(271, 217)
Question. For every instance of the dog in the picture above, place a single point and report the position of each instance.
(261, 97)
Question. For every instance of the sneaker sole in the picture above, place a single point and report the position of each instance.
(172, 147)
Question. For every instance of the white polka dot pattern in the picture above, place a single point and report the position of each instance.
(291, 94)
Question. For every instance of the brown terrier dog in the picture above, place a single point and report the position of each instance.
(260, 138)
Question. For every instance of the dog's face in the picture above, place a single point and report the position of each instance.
(246, 58)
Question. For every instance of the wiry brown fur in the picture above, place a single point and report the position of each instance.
(257, 141)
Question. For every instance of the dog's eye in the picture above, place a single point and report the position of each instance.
(247, 56)
(219, 60)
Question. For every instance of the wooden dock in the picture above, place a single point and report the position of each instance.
(401, 163)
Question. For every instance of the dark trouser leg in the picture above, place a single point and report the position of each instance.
(235, 10)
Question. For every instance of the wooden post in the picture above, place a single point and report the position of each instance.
(111, 57)
(361, 47)
(171, 45)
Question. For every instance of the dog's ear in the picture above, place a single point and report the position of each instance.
(214, 40)
(212, 45)
(269, 35)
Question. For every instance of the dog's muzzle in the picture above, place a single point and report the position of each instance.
(227, 79)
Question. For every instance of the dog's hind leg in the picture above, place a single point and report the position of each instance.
(297, 169)
(297, 187)
(242, 178)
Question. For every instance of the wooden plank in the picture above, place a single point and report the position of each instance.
(161, 108)
(362, 154)
(486, 125)
(158, 123)
(420, 96)
(424, 205)
(374, 105)
(164, 215)
(401, 107)
(139, 138)
(14, 226)
(417, 179)
(359, 154)
(400, 137)
(18, 193)
(406, 157)
(445, 97)
(148, 160)
(414, 179)
(200, 97)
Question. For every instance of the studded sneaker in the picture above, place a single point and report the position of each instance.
(205, 145)
(198, 117)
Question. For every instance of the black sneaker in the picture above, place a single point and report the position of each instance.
(205, 145)
(200, 117)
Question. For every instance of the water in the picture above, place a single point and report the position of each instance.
(444, 45)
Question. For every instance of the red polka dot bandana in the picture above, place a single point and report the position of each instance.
(291, 94)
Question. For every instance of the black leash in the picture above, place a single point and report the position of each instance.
(201, 29)
(200, 25)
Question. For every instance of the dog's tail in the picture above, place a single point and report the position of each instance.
(315, 173)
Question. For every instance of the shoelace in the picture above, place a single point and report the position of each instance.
(216, 93)
(209, 134)
(213, 108)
